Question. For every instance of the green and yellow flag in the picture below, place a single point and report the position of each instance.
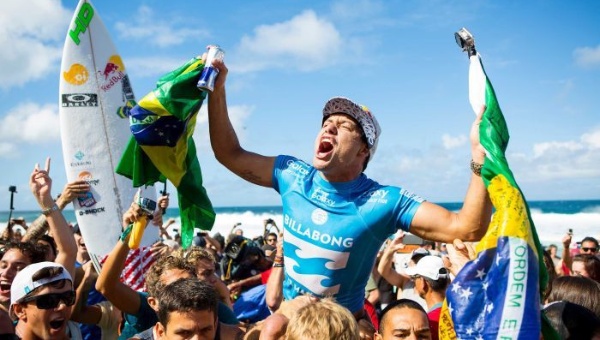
(498, 295)
(162, 146)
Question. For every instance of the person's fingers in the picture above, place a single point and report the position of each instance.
(47, 167)
(458, 244)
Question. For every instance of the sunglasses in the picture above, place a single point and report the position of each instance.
(50, 301)
(586, 249)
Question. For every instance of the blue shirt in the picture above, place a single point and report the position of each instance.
(144, 318)
(332, 231)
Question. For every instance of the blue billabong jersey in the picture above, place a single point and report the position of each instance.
(332, 231)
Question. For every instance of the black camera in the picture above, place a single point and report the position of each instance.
(147, 205)
(12, 189)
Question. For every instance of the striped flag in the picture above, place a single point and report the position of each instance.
(136, 266)
(497, 295)
(162, 146)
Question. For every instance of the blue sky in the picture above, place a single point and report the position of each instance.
(286, 58)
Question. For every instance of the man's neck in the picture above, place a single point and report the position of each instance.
(433, 298)
(82, 258)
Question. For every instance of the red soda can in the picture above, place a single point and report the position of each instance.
(209, 73)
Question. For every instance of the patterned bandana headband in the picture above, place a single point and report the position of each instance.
(361, 114)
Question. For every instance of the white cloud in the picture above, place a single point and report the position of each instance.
(564, 160)
(587, 57)
(592, 139)
(7, 149)
(32, 123)
(305, 42)
(144, 25)
(32, 34)
(450, 142)
(548, 148)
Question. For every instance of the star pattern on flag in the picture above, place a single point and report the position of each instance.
(489, 307)
(480, 274)
(456, 287)
(466, 293)
(485, 285)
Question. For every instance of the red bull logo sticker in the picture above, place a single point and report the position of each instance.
(113, 72)
(76, 75)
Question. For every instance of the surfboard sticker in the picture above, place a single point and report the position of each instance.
(94, 98)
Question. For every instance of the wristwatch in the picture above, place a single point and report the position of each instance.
(50, 210)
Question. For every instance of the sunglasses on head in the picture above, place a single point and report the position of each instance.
(593, 249)
(49, 301)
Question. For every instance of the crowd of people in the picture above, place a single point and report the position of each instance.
(341, 266)
(50, 289)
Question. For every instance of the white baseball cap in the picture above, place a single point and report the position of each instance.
(429, 266)
(361, 114)
(24, 284)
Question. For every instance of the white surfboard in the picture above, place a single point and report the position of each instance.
(94, 90)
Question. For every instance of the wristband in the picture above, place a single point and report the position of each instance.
(126, 233)
(476, 168)
(50, 210)
(278, 265)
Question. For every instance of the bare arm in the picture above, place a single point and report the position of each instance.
(433, 222)
(81, 311)
(566, 253)
(41, 186)
(223, 292)
(274, 289)
(385, 263)
(71, 191)
(7, 234)
(108, 283)
(250, 166)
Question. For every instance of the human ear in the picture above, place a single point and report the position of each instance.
(20, 312)
(161, 331)
(153, 303)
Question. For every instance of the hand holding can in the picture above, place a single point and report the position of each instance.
(209, 73)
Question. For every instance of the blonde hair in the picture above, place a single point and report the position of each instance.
(324, 319)
(195, 254)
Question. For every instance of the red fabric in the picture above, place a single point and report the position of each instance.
(434, 321)
(565, 269)
(138, 262)
(264, 276)
(372, 313)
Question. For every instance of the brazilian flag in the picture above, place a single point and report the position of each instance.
(162, 147)
(498, 294)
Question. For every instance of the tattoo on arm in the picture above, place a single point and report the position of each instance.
(37, 228)
(251, 177)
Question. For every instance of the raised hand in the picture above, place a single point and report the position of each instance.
(40, 184)
(73, 190)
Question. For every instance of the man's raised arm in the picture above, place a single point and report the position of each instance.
(433, 222)
(250, 166)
